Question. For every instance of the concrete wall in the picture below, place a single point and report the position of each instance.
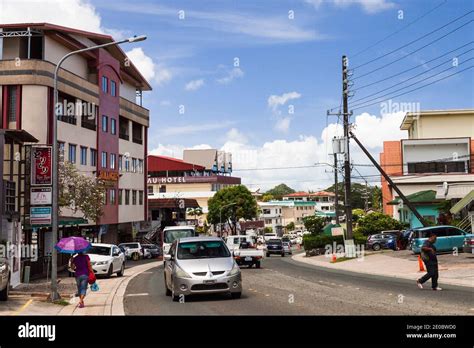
(54, 51)
(34, 111)
(11, 48)
(128, 92)
(445, 126)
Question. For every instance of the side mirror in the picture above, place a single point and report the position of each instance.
(117, 253)
(168, 257)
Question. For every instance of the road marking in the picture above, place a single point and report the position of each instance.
(22, 308)
(140, 294)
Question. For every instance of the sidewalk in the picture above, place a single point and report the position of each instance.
(107, 301)
(389, 266)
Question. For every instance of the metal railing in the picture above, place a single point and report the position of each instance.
(466, 223)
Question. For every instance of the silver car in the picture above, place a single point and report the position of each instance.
(4, 279)
(201, 265)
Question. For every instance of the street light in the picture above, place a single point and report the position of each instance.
(55, 196)
(220, 216)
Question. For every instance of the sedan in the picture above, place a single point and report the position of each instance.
(151, 251)
(4, 279)
(107, 259)
(382, 241)
(198, 265)
(287, 248)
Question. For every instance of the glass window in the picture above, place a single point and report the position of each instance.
(134, 197)
(104, 159)
(72, 153)
(113, 126)
(140, 166)
(140, 197)
(202, 250)
(120, 158)
(113, 88)
(112, 196)
(127, 164)
(112, 160)
(105, 82)
(120, 193)
(83, 155)
(150, 190)
(134, 165)
(11, 103)
(93, 157)
(127, 197)
(105, 123)
(61, 147)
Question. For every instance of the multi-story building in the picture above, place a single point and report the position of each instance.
(278, 214)
(325, 201)
(102, 129)
(175, 186)
(435, 161)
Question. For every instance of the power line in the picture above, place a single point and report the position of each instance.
(415, 89)
(398, 31)
(412, 42)
(413, 68)
(413, 52)
(357, 101)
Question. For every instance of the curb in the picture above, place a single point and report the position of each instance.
(300, 258)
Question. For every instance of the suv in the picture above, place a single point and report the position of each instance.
(275, 246)
(382, 241)
(133, 250)
(449, 238)
(4, 279)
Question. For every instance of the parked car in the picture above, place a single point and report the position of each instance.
(133, 250)
(268, 236)
(382, 241)
(201, 265)
(247, 254)
(172, 233)
(5, 275)
(468, 246)
(286, 238)
(233, 242)
(448, 238)
(107, 259)
(275, 246)
(151, 251)
(287, 248)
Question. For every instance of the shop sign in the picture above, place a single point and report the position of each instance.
(41, 165)
(41, 196)
(40, 215)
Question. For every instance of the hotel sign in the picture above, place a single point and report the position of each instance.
(41, 165)
(108, 176)
(168, 180)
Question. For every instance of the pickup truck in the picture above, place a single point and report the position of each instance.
(247, 255)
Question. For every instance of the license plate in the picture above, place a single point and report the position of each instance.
(210, 281)
(248, 258)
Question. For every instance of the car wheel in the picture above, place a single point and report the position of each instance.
(167, 291)
(376, 247)
(135, 257)
(283, 255)
(174, 297)
(236, 295)
(4, 293)
(257, 264)
(122, 269)
(109, 272)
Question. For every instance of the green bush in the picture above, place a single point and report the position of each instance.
(320, 241)
(314, 224)
(376, 223)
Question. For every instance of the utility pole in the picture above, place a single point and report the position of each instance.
(336, 189)
(347, 163)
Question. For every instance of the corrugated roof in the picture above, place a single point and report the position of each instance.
(164, 163)
(427, 196)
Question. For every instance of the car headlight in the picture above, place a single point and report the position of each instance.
(235, 270)
(100, 263)
(180, 273)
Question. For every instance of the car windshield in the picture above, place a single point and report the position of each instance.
(130, 245)
(171, 235)
(202, 250)
(99, 250)
(274, 241)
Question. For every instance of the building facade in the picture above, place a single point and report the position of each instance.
(102, 128)
(325, 201)
(278, 214)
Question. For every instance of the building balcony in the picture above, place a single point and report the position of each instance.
(124, 136)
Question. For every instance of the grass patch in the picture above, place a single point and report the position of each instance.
(341, 259)
(62, 302)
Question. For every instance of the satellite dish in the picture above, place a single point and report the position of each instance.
(127, 154)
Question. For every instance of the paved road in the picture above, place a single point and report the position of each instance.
(284, 286)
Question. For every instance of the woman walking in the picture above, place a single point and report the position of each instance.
(82, 266)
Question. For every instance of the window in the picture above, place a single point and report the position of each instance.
(113, 88)
(127, 164)
(438, 167)
(127, 197)
(83, 155)
(105, 82)
(150, 190)
(88, 120)
(61, 147)
(134, 165)
(137, 133)
(104, 159)
(112, 160)
(134, 197)
(112, 196)
(11, 103)
(140, 166)
(93, 157)
(124, 130)
(105, 123)
(140, 197)
(120, 158)
(66, 109)
(72, 153)
(120, 193)
(113, 126)
(162, 189)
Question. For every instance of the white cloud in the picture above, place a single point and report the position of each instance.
(165, 103)
(274, 101)
(195, 128)
(283, 124)
(150, 71)
(304, 151)
(194, 85)
(231, 75)
(369, 6)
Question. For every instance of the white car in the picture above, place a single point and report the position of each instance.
(133, 250)
(107, 259)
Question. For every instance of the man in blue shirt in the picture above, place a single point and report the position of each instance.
(428, 254)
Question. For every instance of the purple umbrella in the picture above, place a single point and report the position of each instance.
(72, 245)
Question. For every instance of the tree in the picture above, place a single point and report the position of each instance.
(267, 197)
(357, 214)
(279, 191)
(245, 206)
(314, 224)
(358, 191)
(267, 230)
(377, 198)
(80, 192)
(290, 226)
(377, 222)
(195, 212)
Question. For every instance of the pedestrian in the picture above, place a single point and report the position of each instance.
(428, 255)
(82, 267)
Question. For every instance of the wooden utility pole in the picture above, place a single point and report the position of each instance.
(347, 163)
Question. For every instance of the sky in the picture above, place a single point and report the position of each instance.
(256, 78)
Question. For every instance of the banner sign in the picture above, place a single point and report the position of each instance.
(41, 196)
(41, 165)
(40, 215)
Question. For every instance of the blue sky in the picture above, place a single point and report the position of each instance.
(283, 63)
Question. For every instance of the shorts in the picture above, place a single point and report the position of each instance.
(82, 282)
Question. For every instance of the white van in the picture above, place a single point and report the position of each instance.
(172, 233)
(233, 242)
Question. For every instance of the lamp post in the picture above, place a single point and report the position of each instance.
(220, 216)
(55, 195)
